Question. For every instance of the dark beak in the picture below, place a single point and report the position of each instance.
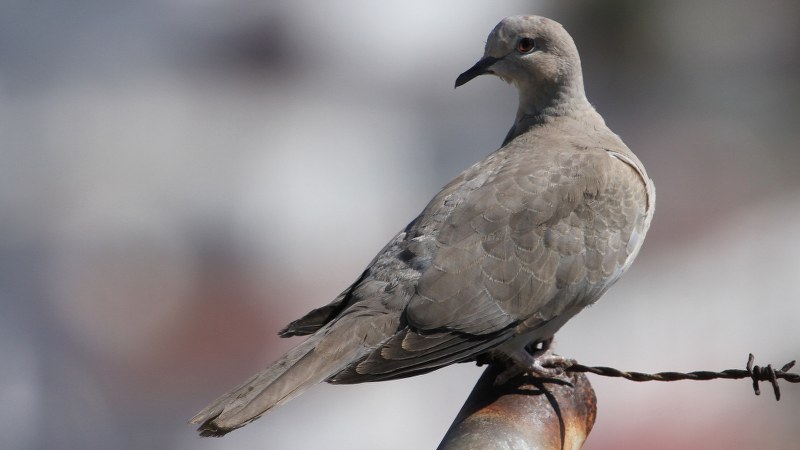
(480, 68)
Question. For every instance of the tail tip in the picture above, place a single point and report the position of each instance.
(211, 430)
(208, 427)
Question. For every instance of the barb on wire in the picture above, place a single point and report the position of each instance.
(756, 373)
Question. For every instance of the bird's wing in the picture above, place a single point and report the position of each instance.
(540, 233)
(516, 242)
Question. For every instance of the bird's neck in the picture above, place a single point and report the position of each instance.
(548, 107)
(542, 103)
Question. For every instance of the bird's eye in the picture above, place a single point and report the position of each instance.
(526, 45)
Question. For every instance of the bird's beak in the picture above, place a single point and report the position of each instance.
(480, 68)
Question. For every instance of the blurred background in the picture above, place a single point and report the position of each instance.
(179, 179)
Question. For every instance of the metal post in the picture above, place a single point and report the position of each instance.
(524, 414)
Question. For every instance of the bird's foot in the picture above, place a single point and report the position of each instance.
(550, 365)
(540, 362)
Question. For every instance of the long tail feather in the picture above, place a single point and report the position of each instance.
(297, 371)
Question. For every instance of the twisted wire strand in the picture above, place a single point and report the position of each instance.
(754, 372)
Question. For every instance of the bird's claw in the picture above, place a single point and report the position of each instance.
(550, 365)
(541, 363)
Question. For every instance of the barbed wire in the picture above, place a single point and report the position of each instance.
(754, 372)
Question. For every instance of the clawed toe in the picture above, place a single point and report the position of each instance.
(540, 362)
(551, 365)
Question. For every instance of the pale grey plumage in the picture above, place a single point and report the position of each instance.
(501, 257)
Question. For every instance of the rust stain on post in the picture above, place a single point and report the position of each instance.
(524, 414)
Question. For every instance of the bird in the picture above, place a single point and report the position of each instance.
(500, 258)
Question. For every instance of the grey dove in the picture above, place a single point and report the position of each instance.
(498, 261)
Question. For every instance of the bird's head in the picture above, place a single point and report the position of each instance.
(536, 55)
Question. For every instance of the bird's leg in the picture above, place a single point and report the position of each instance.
(532, 359)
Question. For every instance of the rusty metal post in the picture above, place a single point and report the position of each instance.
(524, 414)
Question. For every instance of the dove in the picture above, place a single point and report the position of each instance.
(497, 262)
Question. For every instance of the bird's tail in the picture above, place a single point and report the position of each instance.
(301, 368)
